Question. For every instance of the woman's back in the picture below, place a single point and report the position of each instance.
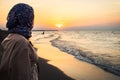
(19, 59)
(15, 51)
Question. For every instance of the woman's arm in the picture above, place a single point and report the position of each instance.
(20, 63)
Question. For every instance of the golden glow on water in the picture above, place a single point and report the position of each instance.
(79, 70)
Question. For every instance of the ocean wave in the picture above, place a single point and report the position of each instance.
(100, 60)
(37, 36)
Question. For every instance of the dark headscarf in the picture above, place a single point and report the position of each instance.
(20, 20)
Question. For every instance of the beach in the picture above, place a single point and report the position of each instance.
(60, 65)
(74, 39)
(54, 64)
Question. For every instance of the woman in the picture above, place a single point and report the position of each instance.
(19, 59)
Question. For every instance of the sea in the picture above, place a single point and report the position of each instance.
(101, 48)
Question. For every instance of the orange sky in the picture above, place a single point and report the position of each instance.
(68, 13)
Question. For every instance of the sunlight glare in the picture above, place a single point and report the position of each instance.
(59, 25)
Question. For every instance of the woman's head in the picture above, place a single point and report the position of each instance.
(20, 19)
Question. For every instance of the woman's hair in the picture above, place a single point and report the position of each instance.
(20, 19)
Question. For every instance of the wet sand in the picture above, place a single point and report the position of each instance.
(58, 65)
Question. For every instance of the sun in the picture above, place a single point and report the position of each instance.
(59, 25)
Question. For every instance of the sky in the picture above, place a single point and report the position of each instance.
(62, 14)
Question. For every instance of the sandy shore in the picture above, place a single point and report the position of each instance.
(58, 65)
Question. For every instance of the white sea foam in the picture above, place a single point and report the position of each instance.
(101, 48)
(96, 47)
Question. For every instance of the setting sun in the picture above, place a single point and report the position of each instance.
(67, 14)
(59, 25)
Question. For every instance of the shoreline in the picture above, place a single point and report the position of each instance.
(55, 64)
(69, 65)
(81, 55)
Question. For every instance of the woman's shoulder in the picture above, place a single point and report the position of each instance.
(16, 38)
